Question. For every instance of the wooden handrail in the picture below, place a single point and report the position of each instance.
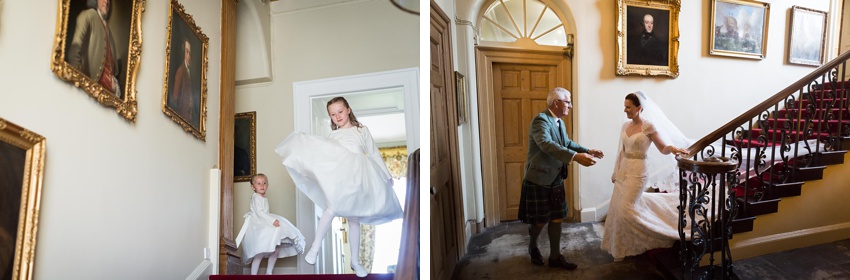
(766, 104)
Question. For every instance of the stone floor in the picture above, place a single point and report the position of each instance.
(501, 253)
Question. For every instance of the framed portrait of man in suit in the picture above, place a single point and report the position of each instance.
(22, 155)
(185, 87)
(648, 38)
(98, 49)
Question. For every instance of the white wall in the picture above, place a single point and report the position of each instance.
(120, 200)
(345, 39)
(710, 90)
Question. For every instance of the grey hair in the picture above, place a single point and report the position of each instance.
(555, 94)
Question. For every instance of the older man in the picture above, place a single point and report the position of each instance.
(92, 49)
(550, 151)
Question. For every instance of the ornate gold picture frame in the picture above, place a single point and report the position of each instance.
(739, 28)
(22, 158)
(245, 150)
(648, 37)
(100, 54)
(184, 94)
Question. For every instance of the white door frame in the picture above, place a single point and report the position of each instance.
(304, 91)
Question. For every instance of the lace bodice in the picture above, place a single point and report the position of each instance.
(635, 145)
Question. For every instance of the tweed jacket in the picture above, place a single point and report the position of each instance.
(547, 153)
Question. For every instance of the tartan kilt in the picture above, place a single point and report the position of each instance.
(536, 205)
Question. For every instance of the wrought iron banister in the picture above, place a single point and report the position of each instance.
(767, 103)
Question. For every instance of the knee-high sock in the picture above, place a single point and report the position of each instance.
(354, 240)
(255, 265)
(273, 259)
(554, 231)
(534, 231)
(322, 229)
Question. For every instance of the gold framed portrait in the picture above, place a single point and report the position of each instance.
(98, 48)
(739, 28)
(22, 158)
(245, 146)
(184, 94)
(648, 37)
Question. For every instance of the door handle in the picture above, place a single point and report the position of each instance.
(433, 190)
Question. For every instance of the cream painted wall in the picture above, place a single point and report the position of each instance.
(697, 101)
(120, 200)
(345, 39)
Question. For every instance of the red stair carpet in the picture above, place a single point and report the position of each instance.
(301, 277)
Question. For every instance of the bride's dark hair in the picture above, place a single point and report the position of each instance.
(633, 97)
(351, 117)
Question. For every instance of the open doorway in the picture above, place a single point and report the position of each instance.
(386, 102)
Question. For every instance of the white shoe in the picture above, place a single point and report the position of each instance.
(359, 270)
(311, 256)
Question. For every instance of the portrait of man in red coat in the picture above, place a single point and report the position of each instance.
(182, 97)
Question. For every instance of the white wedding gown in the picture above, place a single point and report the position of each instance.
(638, 221)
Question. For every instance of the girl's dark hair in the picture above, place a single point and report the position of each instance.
(633, 97)
(351, 117)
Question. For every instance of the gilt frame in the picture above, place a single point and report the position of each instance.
(245, 138)
(22, 154)
(632, 59)
(726, 39)
(128, 46)
(189, 114)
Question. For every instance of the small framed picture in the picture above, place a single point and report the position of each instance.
(98, 47)
(739, 28)
(185, 87)
(460, 85)
(807, 36)
(648, 38)
(22, 155)
(245, 150)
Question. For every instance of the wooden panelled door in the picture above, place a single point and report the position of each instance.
(446, 218)
(519, 95)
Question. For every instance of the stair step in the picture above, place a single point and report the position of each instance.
(830, 158)
(793, 113)
(808, 173)
(743, 224)
(785, 190)
(755, 208)
(845, 143)
(806, 102)
(777, 134)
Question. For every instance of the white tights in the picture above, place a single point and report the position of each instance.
(255, 265)
(353, 237)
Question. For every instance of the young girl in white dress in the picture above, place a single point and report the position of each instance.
(638, 221)
(266, 234)
(343, 174)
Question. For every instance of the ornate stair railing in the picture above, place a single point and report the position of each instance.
(776, 145)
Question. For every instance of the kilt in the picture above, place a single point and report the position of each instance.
(539, 204)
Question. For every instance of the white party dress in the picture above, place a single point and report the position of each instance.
(344, 171)
(260, 238)
(637, 220)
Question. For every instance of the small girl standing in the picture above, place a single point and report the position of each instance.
(343, 174)
(266, 234)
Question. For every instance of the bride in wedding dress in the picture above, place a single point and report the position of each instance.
(637, 220)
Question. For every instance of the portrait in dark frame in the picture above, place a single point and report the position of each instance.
(245, 143)
(12, 161)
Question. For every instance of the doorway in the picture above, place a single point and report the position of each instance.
(386, 102)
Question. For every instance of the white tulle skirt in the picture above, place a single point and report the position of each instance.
(352, 184)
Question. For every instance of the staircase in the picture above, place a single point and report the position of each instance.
(779, 145)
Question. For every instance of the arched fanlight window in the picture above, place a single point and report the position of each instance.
(522, 20)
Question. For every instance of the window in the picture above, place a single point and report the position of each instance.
(522, 20)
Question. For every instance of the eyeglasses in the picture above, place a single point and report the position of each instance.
(568, 103)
